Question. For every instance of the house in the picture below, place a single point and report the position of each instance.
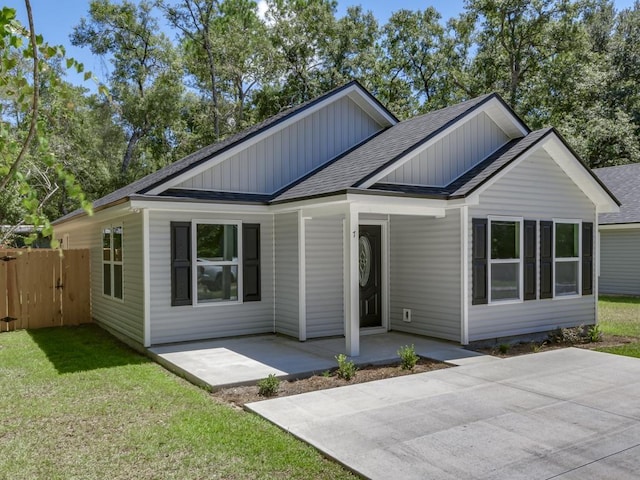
(620, 232)
(334, 218)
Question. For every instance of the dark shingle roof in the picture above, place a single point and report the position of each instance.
(357, 166)
(624, 183)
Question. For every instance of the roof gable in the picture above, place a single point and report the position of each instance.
(452, 155)
(285, 154)
(376, 158)
(158, 181)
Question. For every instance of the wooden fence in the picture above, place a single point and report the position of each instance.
(43, 288)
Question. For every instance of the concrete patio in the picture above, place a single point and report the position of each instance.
(245, 360)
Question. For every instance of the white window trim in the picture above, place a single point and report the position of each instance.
(520, 262)
(194, 262)
(111, 262)
(577, 222)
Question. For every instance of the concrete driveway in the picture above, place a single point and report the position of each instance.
(566, 414)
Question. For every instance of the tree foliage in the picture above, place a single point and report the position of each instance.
(30, 172)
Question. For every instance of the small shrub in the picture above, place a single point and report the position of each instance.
(346, 368)
(408, 357)
(503, 348)
(326, 373)
(594, 333)
(568, 336)
(537, 347)
(268, 387)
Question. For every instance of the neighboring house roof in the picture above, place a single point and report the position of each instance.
(624, 182)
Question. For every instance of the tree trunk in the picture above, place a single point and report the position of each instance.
(128, 154)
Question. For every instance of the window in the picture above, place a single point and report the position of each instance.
(505, 261)
(217, 263)
(112, 261)
(567, 258)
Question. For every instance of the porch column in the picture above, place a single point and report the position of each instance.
(351, 290)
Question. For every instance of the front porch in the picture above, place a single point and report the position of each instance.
(365, 264)
(245, 360)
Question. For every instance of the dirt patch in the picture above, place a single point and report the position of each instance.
(238, 396)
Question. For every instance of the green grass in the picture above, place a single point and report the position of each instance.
(76, 403)
(620, 316)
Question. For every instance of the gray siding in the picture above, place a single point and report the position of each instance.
(174, 324)
(452, 155)
(286, 274)
(536, 189)
(291, 152)
(620, 261)
(127, 315)
(425, 274)
(324, 277)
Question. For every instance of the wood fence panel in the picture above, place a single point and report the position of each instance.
(77, 287)
(36, 284)
(14, 301)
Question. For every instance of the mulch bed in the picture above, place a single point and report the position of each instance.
(238, 396)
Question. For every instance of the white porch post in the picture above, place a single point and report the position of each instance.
(351, 290)
(302, 278)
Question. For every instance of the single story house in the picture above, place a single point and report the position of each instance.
(620, 232)
(333, 218)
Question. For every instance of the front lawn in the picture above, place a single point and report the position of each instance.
(620, 317)
(78, 404)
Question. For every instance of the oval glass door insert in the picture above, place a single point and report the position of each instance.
(365, 260)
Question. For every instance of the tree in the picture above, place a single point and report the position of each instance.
(417, 53)
(517, 39)
(145, 81)
(29, 172)
(300, 31)
(194, 19)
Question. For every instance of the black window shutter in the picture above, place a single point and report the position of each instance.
(530, 235)
(251, 262)
(479, 295)
(181, 263)
(587, 258)
(546, 259)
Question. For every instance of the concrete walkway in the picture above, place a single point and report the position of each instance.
(562, 414)
(245, 360)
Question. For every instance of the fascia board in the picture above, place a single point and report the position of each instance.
(577, 171)
(619, 226)
(197, 206)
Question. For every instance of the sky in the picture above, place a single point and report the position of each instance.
(55, 19)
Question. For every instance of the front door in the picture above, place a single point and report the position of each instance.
(370, 275)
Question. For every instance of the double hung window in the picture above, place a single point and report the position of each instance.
(217, 263)
(112, 261)
(505, 260)
(567, 258)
